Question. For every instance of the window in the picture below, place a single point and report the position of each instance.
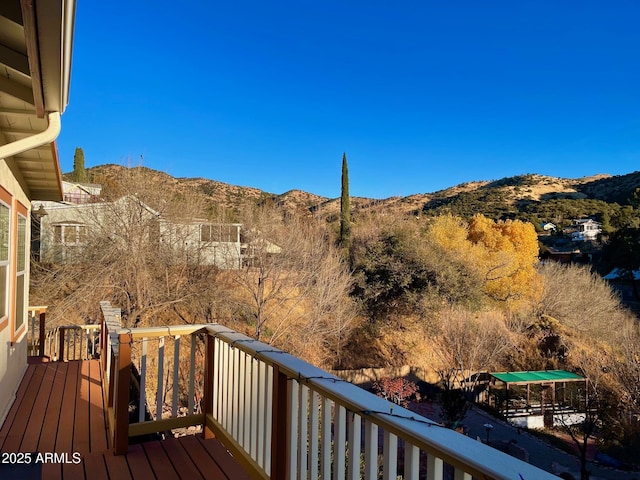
(21, 262)
(5, 218)
(219, 233)
(70, 234)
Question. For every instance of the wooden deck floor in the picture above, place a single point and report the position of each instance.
(59, 410)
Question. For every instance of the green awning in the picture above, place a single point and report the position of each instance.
(542, 376)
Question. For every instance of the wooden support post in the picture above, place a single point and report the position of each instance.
(43, 315)
(279, 426)
(61, 334)
(207, 408)
(121, 408)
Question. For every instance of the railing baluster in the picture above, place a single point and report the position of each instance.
(293, 439)
(143, 382)
(246, 444)
(390, 456)
(411, 462)
(242, 378)
(461, 475)
(32, 324)
(160, 389)
(370, 450)
(176, 377)
(355, 434)
(314, 453)
(210, 387)
(255, 412)
(303, 412)
(435, 467)
(325, 432)
(225, 385)
(235, 394)
(267, 426)
(217, 366)
(339, 443)
(192, 374)
(262, 401)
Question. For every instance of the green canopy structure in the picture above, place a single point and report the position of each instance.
(541, 376)
(544, 396)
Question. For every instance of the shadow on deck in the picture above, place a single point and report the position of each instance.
(58, 425)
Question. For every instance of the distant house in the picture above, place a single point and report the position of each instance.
(65, 228)
(79, 193)
(585, 229)
(573, 255)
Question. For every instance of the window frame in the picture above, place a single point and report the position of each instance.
(20, 305)
(6, 200)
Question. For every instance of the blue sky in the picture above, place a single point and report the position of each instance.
(421, 95)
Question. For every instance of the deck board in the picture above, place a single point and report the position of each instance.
(64, 438)
(159, 461)
(4, 430)
(180, 460)
(81, 420)
(59, 408)
(36, 419)
(138, 463)
(117, 467)
(200, 458)
(14, 435)
(50, 425)
(226, 462)
(97, 419)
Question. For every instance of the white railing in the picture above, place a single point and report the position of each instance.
(281, 417)
(289, 419)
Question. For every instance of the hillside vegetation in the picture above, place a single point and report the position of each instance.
(449, 281)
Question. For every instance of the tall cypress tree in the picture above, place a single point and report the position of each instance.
(345, 210)
(79, 172)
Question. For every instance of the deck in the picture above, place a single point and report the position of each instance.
(59, 410)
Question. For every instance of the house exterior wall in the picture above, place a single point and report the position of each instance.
(67, 218)
(220, 246)
(65, 228)
(13, 344)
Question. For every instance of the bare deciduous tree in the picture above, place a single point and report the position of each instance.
(466, 344)
(580, 300)
(128, 256)
(295, 285)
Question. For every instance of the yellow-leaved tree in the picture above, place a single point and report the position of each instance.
(503, 253)
(508, 258)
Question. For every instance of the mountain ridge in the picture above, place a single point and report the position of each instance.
(519, 189)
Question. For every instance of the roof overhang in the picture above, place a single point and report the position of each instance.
(36, 38)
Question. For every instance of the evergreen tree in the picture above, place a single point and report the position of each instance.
(345, 210)
(79, 172)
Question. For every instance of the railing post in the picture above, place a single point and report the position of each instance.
(207, 397)
(61, 334)
(279, 426)
(43, 315)
(123, 379)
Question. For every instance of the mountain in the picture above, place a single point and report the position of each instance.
(522, 196)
